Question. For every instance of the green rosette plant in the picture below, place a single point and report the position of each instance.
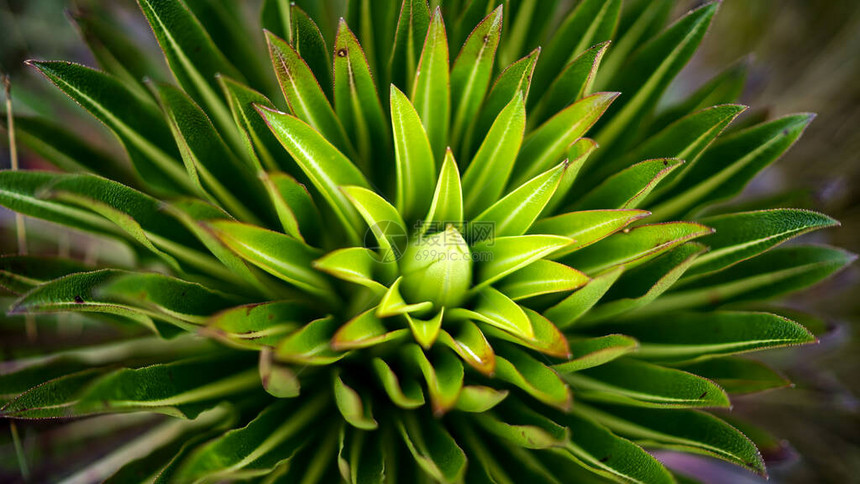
(400, 259)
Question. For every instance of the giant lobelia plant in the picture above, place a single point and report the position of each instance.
(403, 261)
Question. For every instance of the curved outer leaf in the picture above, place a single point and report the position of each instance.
(541, 382)
(472, 346)
(444, 376)
(571, 308)
(21, 273)
(636, 383)
(496, 309)
(485, 179)
(433, 448)
(479, 399)
(604, 453)
(470, 74)
(644, 284)
(361, 458)
(546, 338)
(544, 146)
(633, 247)
(260, 143)
(384, 221)
(296, 209)
(274, 436)
(431, 90)
(447, 205)
(209, 161)
(521, 426)
(684, 430)
(729, 164)
(412, 26)
(684, 139)
(54, 398)
(586, 227)
(327, 168)
(416, 168)
(741, 236)
(137, 296)
(356, 100)
(515, 213)
(515, 78)
(66, 150)
(779, 271)
(499, 257)
(357, 265)
(650, 70)
(590, 23)
(304, 95)
(737, 375)
(310, 345)
(280, 255)
(591, 352)
(138, 124)
(542, 277)
(572, 84)
(577, 154)
(685, 336)
(193, 59)
(363, 331)
(256, 326)
(630, 187)
(404, 392)
(354, 408)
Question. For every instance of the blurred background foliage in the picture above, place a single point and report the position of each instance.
(800, 55)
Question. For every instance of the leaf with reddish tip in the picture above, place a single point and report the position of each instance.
(471, 344)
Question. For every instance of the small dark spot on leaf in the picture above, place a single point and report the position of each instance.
(341, 52)
(785, 132)
(703, 395)
(78, 299)
(271, 317)
(486, 38)
(605, 458)
(665, 162)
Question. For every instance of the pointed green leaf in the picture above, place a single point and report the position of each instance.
(279, 380)
(542, 277)
(472, 346)
(515, 213)
(447, 205)
(256, 326)
(496, 309)
(642, 285)
(544, 146)
(520, 369)
(650, 70)
(729, 164)
(573, 307)
(774, 273)
(685, 336)
(174, 389)
(586, 227)
(354, 408)
(444, 376)
(412, 25)
(591, 352)
(684, 430)
(572, 83)
(470, 74)
(382, 218)
(293, 204)
(630, 187)
(521, 426)
(499, 257)
(21, 273)
(433, 448)
(308, 40)
(426, 331)
(310, 344)
(404, 392)
(327, 168)
(577, 155)
(357, 265)
(479, 399)
(416, 168)
(631, 382)
(138, 124)
(274, 436)
(738, 375)
(393, 304)
(280, 255)
(740, 236)
(356, 100)
(430, 92)
(547, 338)
(363, 331)
(193, 58)
(485, 179)
(303, 94)
(590, 23)
(633, 247)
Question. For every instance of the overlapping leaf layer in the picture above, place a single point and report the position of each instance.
(438, 244)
